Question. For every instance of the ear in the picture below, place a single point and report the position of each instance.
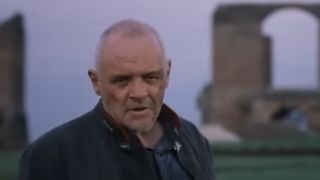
(92, 73)
(168, 70)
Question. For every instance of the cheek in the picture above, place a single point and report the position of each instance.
(115, 98)
(118, 99)
(162, 88)
(158, 93)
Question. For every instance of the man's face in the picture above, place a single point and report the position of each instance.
(131, 79)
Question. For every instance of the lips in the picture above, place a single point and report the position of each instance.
(138, 109)
(138, 113)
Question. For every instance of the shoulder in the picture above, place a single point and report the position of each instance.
(64, 135)
(198, 144)
(189, 129)
(187, 125)
(190, 133)
(44, 158)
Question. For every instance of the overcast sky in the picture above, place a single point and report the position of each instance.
(61, 37)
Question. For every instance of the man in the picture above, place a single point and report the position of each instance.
(130, 134)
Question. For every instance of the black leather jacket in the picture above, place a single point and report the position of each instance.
(92, 148)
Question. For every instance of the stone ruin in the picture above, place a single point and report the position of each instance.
(13, 133)
(241, 97)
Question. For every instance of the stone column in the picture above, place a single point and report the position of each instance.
(12, 113)
(241, 69)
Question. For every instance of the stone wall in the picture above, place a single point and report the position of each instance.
(241, 96)
(12, 113)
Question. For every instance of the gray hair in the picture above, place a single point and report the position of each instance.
(127, 28)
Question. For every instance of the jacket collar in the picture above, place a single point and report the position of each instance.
(167, 118)
(170, 123)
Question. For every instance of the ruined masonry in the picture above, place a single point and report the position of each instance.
(241, 97)
(13, 133)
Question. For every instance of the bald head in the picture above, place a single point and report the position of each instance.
(127, 29)
(131, 72)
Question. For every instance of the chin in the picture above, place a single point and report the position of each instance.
(144, 126)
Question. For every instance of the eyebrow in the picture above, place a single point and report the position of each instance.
(158, 72)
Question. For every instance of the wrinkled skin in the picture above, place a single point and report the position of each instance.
(131, 78)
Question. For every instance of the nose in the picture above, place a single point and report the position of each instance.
(138, 89)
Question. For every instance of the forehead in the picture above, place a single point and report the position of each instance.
(132, 52)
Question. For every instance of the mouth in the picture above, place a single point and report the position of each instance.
(138, 109)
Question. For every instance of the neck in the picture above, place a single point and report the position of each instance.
(150, 139)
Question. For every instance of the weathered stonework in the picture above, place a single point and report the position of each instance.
(242, 96)
(12, 113)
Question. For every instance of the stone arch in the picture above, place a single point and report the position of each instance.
(300, 20)
(241, 68)
(236, 21)
(242, 13)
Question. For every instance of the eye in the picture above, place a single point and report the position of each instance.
(120, 81)
(152, 78)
